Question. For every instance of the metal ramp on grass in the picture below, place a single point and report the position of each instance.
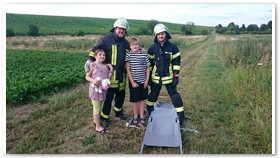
(163, 128)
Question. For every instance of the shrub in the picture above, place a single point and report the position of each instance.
(81, 33)
(143, 31)
(33, 30)
(151, 24)
(10, 33)
(204, 32)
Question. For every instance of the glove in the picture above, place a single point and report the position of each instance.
(175, 81)
(149, 82)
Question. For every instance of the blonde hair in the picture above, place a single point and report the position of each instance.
(134, 39)
(97, 51)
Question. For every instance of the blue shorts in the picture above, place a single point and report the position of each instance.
(138, 93)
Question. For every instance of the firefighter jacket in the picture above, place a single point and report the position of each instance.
(165, 61)
(115, 49)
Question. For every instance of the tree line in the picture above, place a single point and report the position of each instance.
(251, 29)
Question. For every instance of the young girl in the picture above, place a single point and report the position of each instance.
(98, 69)
(137, 67)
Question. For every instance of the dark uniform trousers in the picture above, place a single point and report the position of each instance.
(155, 90)
(119, 100)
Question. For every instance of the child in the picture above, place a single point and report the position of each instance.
(137, 67)
(98, 69)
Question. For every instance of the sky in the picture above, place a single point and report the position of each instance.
(203, 14)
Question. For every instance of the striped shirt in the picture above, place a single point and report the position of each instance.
(138, 63)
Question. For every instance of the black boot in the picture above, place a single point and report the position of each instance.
(104, 122)
(182, 119)
(121, 115)
(149, 110)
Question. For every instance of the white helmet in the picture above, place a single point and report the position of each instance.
(122, 23)
(160, 28)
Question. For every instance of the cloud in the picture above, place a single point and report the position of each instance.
(200, 14)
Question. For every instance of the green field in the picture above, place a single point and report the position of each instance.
(61, 25)
(33, 73)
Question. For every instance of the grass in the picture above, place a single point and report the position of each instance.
(210, 105)
(251, 88)
(229, 106)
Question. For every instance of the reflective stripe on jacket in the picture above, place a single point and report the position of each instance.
(165, 60)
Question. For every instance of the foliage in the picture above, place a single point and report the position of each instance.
(81, 33)
(31, 74)
(263, 27)
(188, 28)
(236, 100)
(252, 28)
(269, 25)
(10, 33)
(243, 28)
(247, 52)
(143, 31)
(151, 24)
(220, 29)
(232, 28)
(248, 61)
(33, 30)
(204, 32)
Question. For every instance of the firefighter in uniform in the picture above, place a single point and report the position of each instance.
(165, 62)
(115, 46)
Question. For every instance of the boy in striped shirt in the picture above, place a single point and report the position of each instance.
(137, 67)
